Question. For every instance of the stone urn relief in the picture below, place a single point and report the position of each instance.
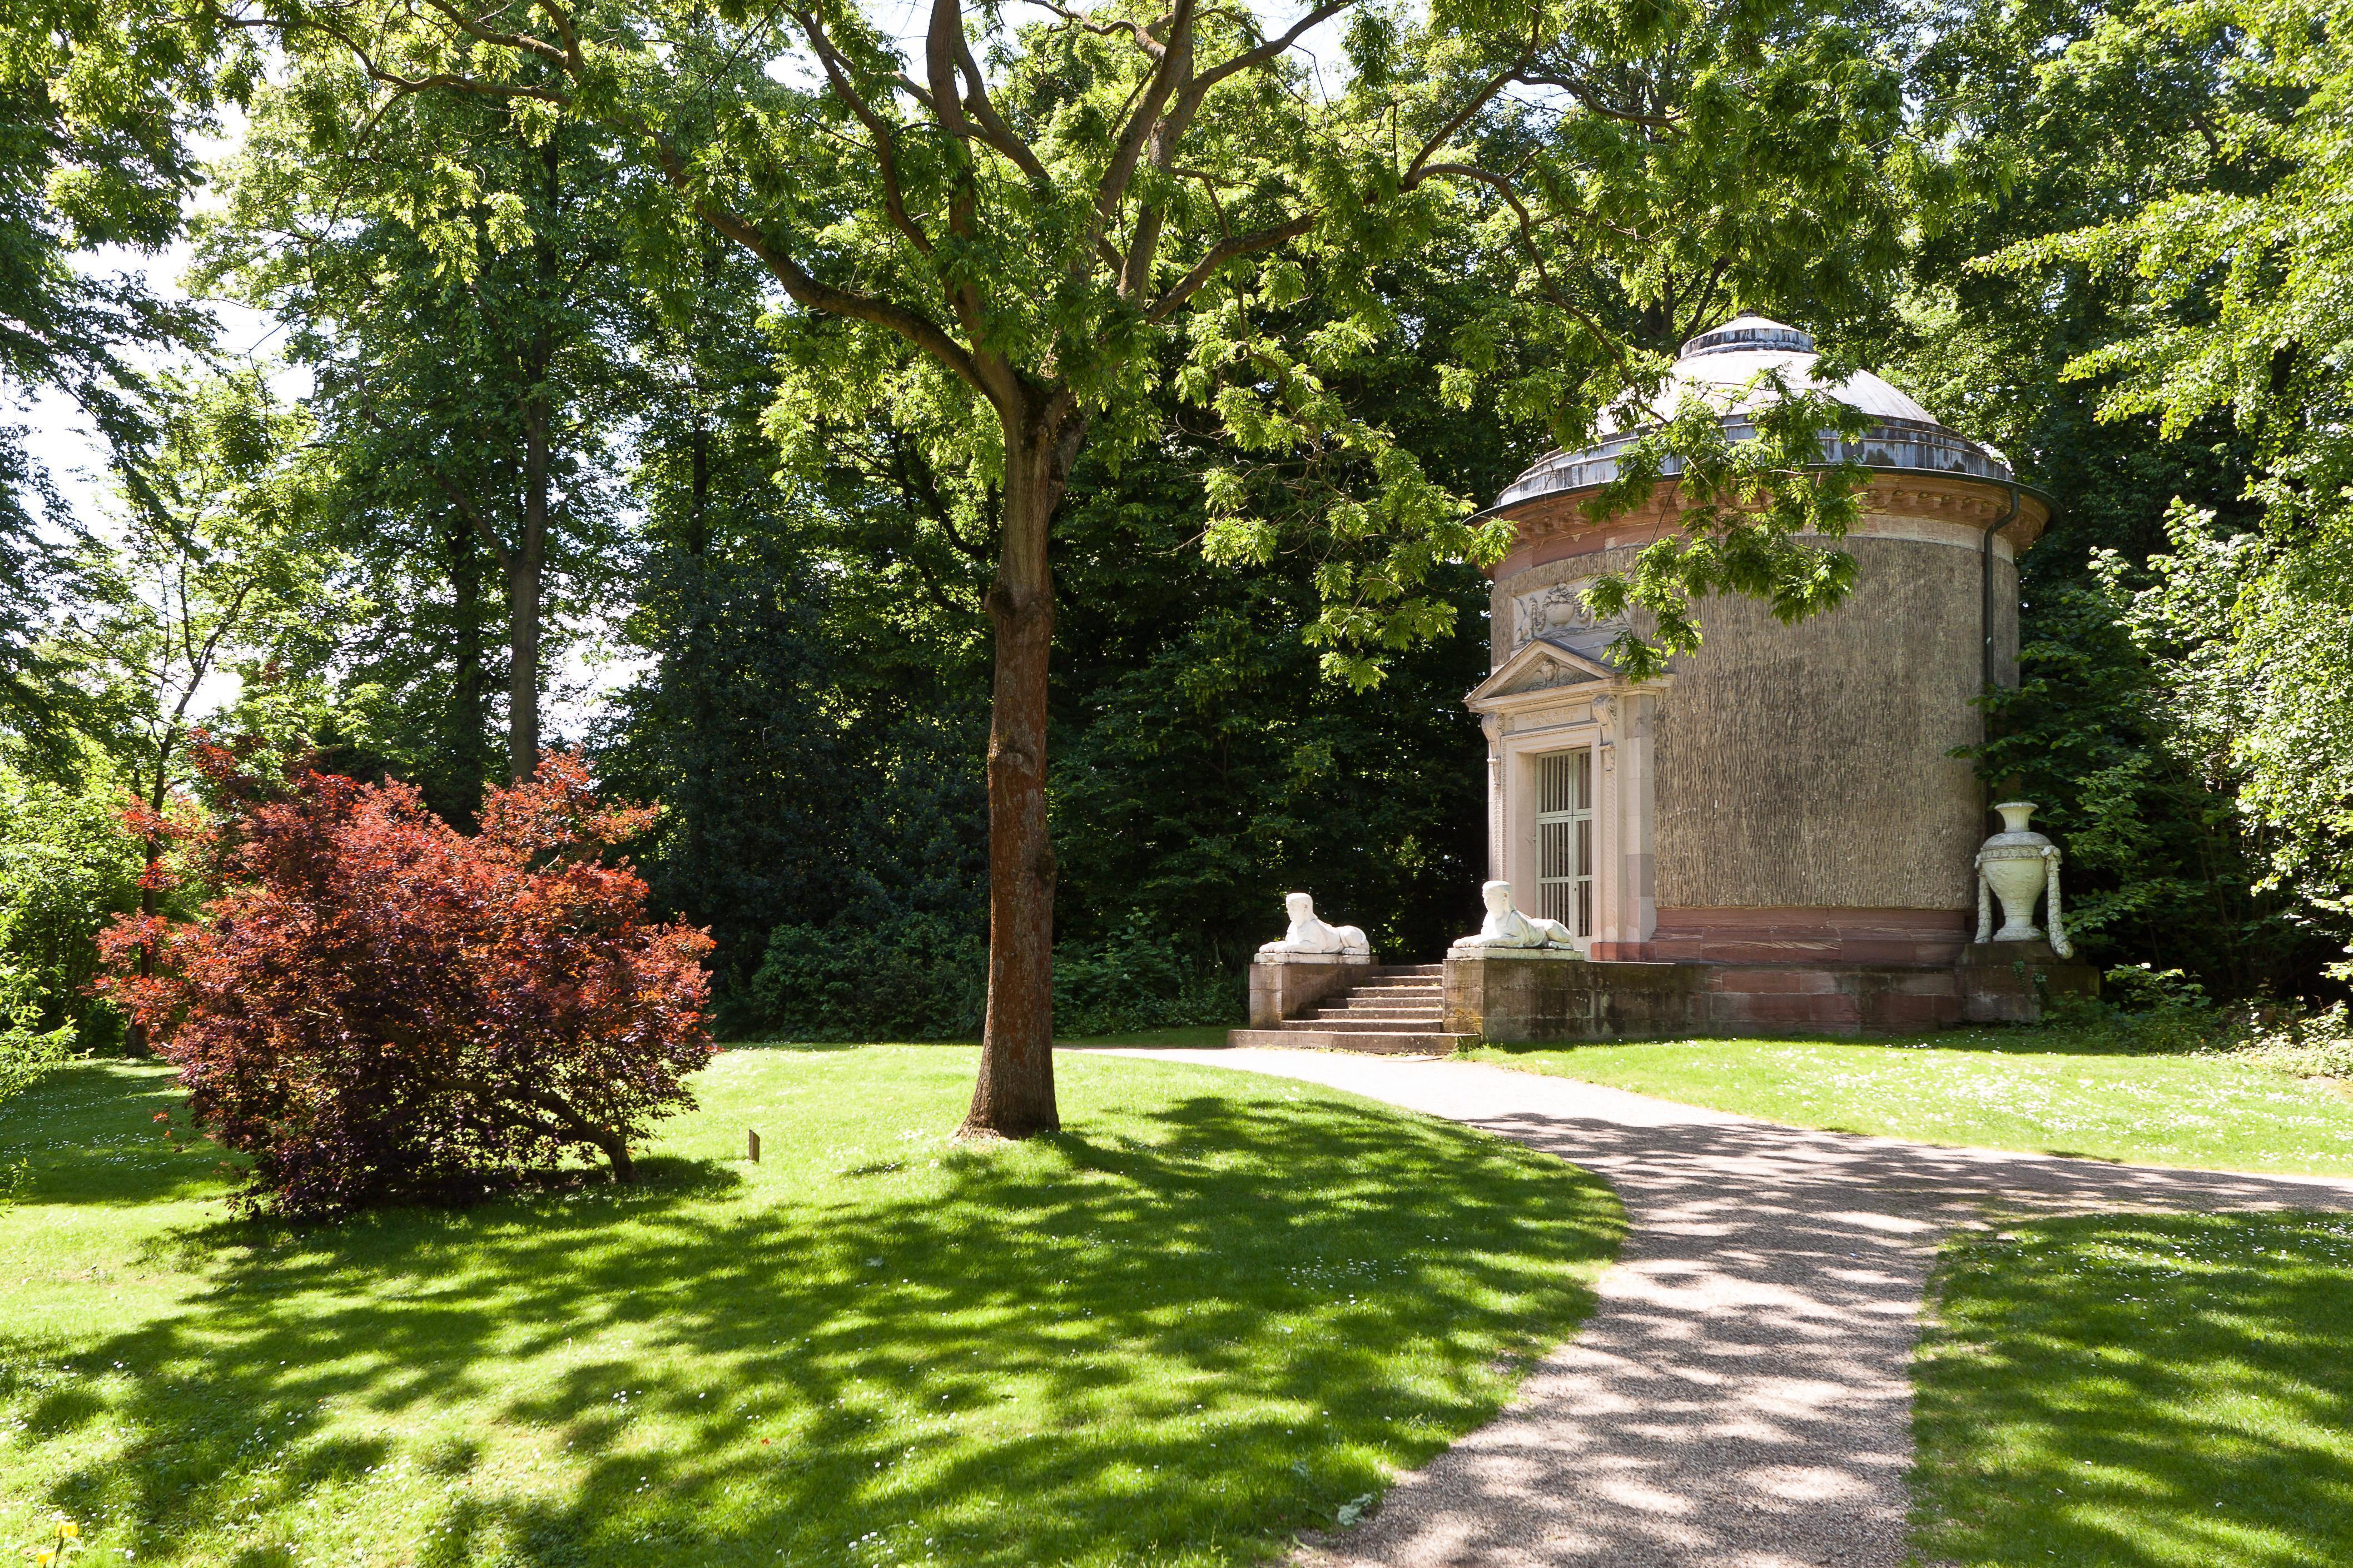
(2018, 866)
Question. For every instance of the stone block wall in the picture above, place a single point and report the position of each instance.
(1525, 1002)
(2006, 982)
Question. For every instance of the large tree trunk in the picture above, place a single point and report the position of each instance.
(529, 558)
(1014, 1095)
(467, 727)
(524, 565)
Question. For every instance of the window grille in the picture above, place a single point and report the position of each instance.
(1565, 839)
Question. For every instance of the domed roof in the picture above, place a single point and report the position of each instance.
(1721, 366)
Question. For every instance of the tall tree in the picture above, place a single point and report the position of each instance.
(2240, 281)
(2068, 121)
(452, 274)
(805, 719)
(97, 101)
(1038, 213)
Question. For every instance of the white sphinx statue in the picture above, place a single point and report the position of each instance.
(1310, 939)
(1507, 932)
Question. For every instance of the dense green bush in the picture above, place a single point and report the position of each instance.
(66, 869)
(926, 978)
(2145, 1011)
(1138, 979)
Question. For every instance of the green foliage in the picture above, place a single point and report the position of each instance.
(1137, 978)
(917, 978)
(2137, 785)
(814, 717)
(97, 103)
(926, 978)
(453, 278)
(811, 713)
(2315, 1043)
(1037, 273)
(1741, 498)
(220, 571)
(2214, 237)
(66, 868)
(1222, 1311)
(2260, 673)
(2172, 719)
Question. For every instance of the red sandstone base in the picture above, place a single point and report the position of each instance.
(1517, 1000)
(1800, 935)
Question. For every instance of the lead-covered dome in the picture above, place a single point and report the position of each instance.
(1723, 366)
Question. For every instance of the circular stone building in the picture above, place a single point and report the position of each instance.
(1787, 793)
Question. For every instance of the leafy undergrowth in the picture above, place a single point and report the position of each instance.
(2140, 1392)
(2052, 1091)
(1217, 1310)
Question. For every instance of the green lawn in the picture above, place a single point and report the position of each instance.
(2140, 1392)
(1217, 1310)
(1997, 1089)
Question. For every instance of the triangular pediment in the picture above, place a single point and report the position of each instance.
(1541, 666)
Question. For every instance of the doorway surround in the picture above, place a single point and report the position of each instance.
(1546, 700)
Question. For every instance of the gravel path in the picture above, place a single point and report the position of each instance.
(1740, 1397)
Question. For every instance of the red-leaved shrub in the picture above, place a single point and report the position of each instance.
(377, 1008)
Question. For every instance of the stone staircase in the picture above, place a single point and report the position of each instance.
(1395, 1009)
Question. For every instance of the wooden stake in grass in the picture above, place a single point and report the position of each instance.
(752, 1145)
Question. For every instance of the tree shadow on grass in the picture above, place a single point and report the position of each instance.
(88, 1134)
(1173, 1348)
(2143, 1390)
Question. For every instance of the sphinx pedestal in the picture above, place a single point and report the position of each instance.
(1287, 986)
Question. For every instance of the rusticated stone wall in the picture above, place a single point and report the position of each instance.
(1809, 766)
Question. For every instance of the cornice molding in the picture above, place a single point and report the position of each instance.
(1554, 526)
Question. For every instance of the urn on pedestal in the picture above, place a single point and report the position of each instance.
(2018, 866)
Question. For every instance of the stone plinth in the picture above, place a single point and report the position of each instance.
(1515, 1001)
(2008, 982)
(1522, 1001)
(1288, 985)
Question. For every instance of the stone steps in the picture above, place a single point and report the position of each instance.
(1370, 1013)
(1398, 1009)
(1378, 1043)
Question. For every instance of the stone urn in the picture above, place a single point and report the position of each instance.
(2018, 866)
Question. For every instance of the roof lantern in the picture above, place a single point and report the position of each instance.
(1723, 366)
(1750, 332)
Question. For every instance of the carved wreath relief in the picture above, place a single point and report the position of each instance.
(1558, 615)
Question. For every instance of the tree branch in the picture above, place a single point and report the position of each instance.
(1112, 190)
(471, 513)
(1144, 41)
(998, 135)
(523, 42)
(1226, 250)
(1461, 117)
(810, 294)
(1503, 187)
(1266, 51)
(886, 141)
(1588, 98)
